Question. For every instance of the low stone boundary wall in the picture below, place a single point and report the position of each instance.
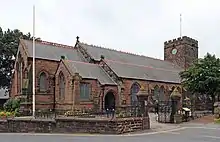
(199, 114)
(74, 125)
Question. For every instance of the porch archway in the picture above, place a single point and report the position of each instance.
(109, 100)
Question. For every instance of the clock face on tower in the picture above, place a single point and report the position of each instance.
(174, 51)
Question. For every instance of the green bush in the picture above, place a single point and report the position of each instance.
(17, 112)
(11, 105)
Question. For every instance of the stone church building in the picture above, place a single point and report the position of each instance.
(86, 75)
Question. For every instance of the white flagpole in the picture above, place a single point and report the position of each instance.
(33, 99)
(180, 25)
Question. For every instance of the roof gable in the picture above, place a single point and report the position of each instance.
(63, 65)
(89, 71)
(51, 51)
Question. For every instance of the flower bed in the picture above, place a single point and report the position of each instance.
(5, 115)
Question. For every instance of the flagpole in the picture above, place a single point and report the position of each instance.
(180, 25)
(33, 99)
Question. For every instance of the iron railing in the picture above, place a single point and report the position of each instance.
(118, 112)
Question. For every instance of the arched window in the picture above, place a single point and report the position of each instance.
(161, 94)
(61, 86)
(134, 90)
(170, 92)
(85, 91)
(156, 93)
(43, 81)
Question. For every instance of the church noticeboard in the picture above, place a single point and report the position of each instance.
(25, 83)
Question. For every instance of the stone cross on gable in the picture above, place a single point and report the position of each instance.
(142, 88)
(176, 93)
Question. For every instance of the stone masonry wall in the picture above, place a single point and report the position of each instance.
(72, 91)
(66, 102)
(74, 125)
(147, 85)
(21, 57)
(45, 99)
(187, 51)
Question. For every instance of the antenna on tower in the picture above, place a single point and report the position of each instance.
(180, 25)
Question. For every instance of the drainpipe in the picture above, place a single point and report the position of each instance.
(73, 99)
(102, 101)
(119, 101)
(54, 96)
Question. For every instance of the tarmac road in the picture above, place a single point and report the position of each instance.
(184, 134)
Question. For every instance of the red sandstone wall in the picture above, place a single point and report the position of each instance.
(45, 99)
(67, 101)
(148, 85)
(72, 96)
(21, 57)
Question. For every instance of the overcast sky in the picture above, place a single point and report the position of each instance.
(138, 26)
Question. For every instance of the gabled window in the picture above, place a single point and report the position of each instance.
(61, 86)
(43, 82)
(84, 91)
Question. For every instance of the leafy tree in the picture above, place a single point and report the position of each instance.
(203, 77)
(9, 41)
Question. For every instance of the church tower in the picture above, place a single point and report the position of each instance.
(182, 51)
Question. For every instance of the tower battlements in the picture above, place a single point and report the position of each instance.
(183, 40)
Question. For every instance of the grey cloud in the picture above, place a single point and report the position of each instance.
(139, 26)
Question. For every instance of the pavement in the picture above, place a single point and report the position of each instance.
(155, 126)
(190, 132)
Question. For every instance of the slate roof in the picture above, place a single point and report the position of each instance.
(124, 64)
(127, 70)
(129, 65)
(89, 71)
(52, 51)
(4, 94)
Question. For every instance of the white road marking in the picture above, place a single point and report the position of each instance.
(158, 132)
(207, 128)
(213, 137)
(175, 133)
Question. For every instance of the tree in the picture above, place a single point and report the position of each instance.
(9, 41)
(203, 77)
